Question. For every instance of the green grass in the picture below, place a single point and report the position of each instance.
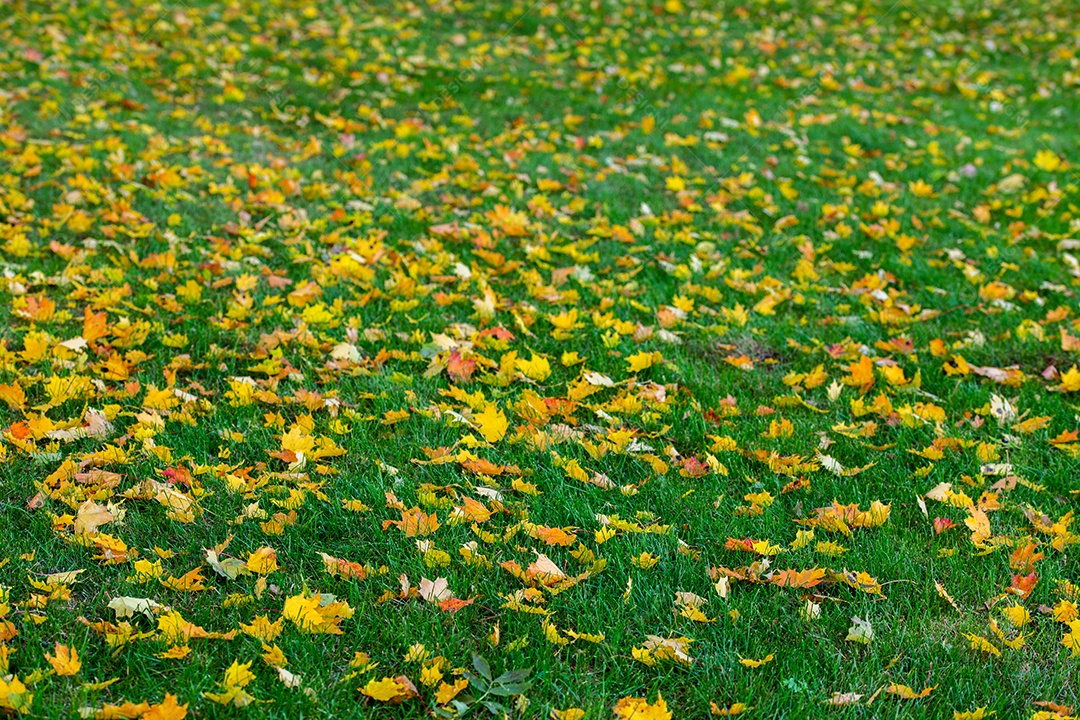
(153, 108)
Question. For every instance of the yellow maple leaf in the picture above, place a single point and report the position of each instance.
(535, 368)
(920, 188)
(1017, 615)
(568, 714)
(1066, 611)
(90, 516)
(1047, 160)
(448, 692)
(263, 561)
(1070, 381)
(14, 695)
(979, 524)
(238, 675)
(492, 423)
(978, 642)
(861, 374)
(384, 690)
(644, 561)
(691, 612)
(746, 662)
(1071, 639)
(145, 571)
(168, 709)
(65, 661)
(413, 522)
(977, 714)
(634, 708)
(262, 629)
(174, 628)
(177, 652)
(830, 548)
(274, 656)
(316, 613)
(643, 361)
(13, 395)
(188, 582)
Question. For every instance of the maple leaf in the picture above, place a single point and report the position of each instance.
(1071, 639)
(383, 690)
(177, 652)
(414, 522)
(510, 222)
(91, 516)
(572, 713)
(1017, 615)
(262, 629)
(860, 581)
(288, 679)
(167, 709)
(274, 656)
(13, 395)
(127, 606)
(535, 368)
(745, 662)
(1046, 160)
(14, 695)
(65, 661)
(644, 561)
(316, 613)
(492, 423)
(982, 644)
(553, 536)
(238, 675)
(389, 690)
(343, 568)
(1024, 584)
(1070, 381)
(692, 611)
(447, 692)
(861, 374)
(145, 571)
(125, 709)
(459, 368)
(236, 678)
(643, 361)
(944, 595)
(173, 627)
(453, 604)
(799, 578)
(544, 570)
(634, 708)
(977, 714)
(474, 511)
(263, 561)
(191, 581)
(1066, 611)
(675, 649)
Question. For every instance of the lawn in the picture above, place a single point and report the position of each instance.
(579, 359)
